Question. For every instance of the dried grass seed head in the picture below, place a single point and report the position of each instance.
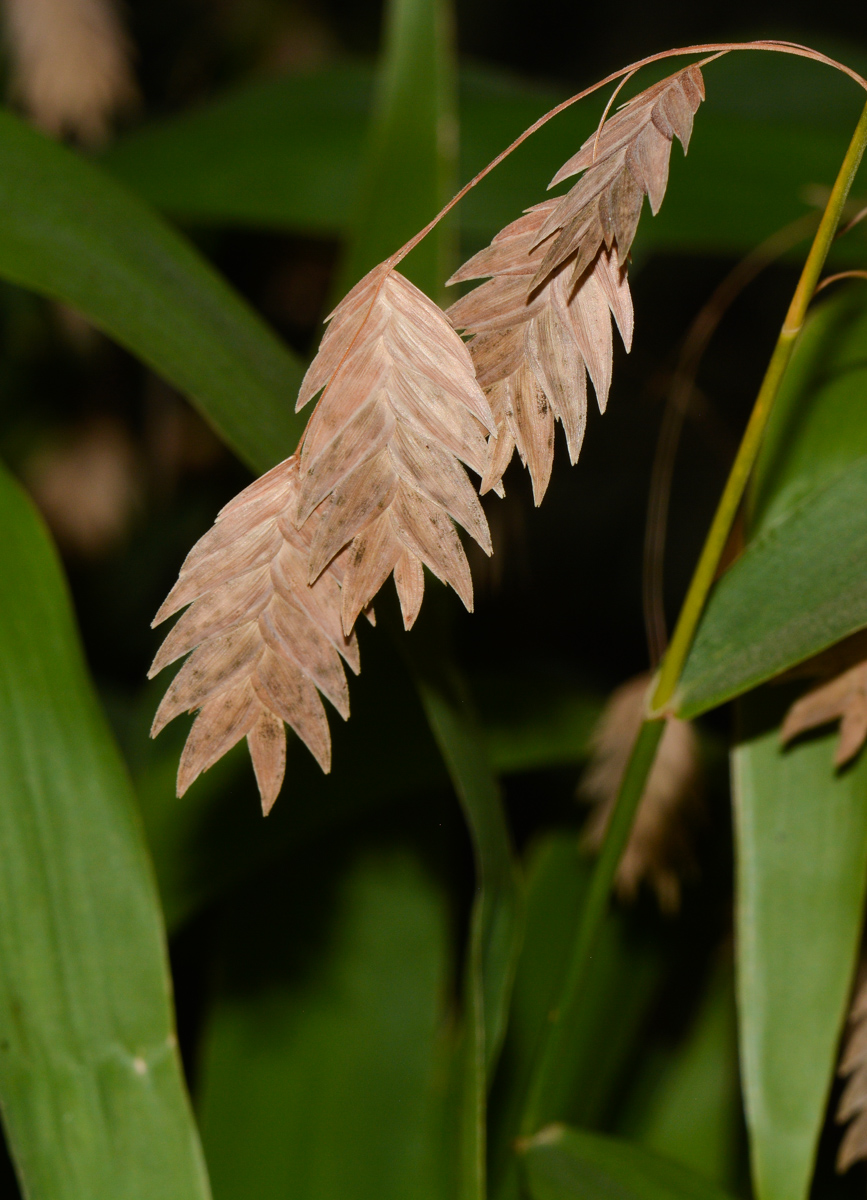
(852, 1108)
(381, 460)
(533, 350)
(843, 699)
(263, 643)
(542, 322)
(659, 849)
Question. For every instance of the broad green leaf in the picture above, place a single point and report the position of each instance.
(68, 230)
(565, 1164)
(799, 587)
(91, 1086)
(685, 1104)
(801, 841)
(282, 152)
(620, 989)
(321, 1070)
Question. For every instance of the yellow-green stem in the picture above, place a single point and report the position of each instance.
(708, 563)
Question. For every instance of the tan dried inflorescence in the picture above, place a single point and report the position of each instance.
(378, 484)
(853, 1064)
(659, 849)
(264, 642)
(401, 409)
(541, 322)
(70, 64)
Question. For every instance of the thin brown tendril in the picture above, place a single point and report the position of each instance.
(607, 109)
(856, 220)
(820, 287)
(680, 394)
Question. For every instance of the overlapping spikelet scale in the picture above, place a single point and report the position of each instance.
(400, 411)
(542, 322)
(262, 642)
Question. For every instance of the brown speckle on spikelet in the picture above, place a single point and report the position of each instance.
(400, 411)
(542, 322)
(844, 699)
(262, 642)
(70, 64)
(659, 848)
(853, 1063)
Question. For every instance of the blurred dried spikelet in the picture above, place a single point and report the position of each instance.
(844, 698)
(71, 67)
(659, 847)
(263, 640)
(853, 1063)
(380, 463)
(541, 322)
(88, 488)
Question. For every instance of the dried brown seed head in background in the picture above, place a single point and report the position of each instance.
(853, 1063)
(400, 411)
(659, 848)
(70, 64)
(843, 698)
(557, 271)
(263, 640)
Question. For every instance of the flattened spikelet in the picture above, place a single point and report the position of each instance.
(381, 458)
(542, 322)
(844, 699)
(852, 1108)
(627, 162)
(263, 643)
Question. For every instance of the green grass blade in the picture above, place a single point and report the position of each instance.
(91, 1086)
(819, 424)
(409, 166)
(758, 622)
(806, 510)
(68, 230)
(801, 840)
(461, 741)
(565, 1164)
(619, 991)
(321, 1062)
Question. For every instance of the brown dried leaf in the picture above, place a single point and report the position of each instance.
(533, 353)
(843, 699)
(853, 1063)
(264, 641)
(381, 457)
(659, 848)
